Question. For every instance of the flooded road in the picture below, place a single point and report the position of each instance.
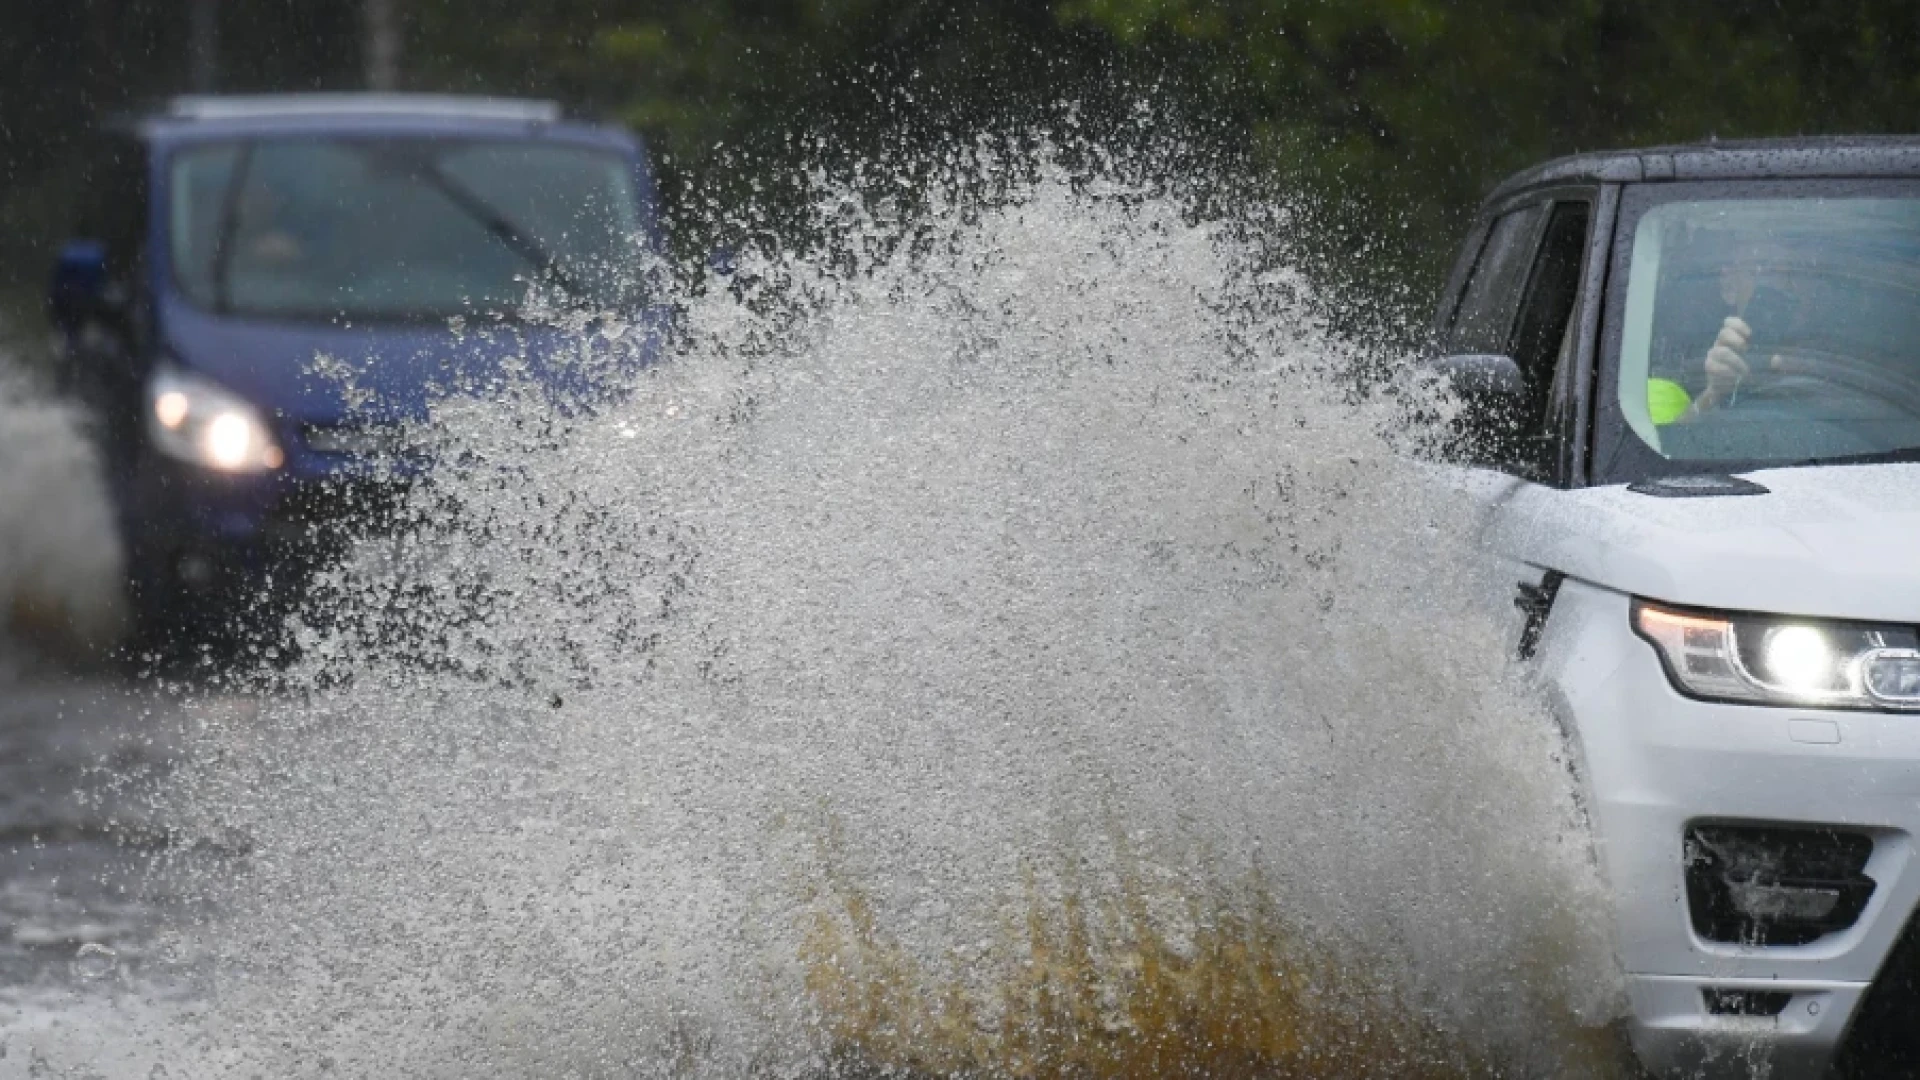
(992, 659)
(101, 906)
(80, 755)
(83, 747)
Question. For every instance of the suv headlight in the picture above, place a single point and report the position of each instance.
(196, 420)
(1781, 660)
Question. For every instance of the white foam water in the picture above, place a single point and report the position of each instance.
(1005, 642)
(60, 563)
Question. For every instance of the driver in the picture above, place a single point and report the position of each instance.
(1748, 288)
(269, 234)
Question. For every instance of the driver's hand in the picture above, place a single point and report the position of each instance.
(1727, 360)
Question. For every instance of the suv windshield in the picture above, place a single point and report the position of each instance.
(1773, 330)
(399, 227)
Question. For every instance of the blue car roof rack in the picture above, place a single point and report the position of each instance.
(347, 104)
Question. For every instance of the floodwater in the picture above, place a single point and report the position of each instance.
(1008, 640)
(89, 918)
(73, 755)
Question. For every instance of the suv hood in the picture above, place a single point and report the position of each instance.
(1839, 541)
(397, 370)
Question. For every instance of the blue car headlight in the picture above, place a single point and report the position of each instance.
(199, 421)
(1783, 660)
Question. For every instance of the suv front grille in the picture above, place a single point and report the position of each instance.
(1775, 884)
(1725, 1002)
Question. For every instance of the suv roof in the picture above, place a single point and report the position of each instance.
(277, 106)
(1751, 159)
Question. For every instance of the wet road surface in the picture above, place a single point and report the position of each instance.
(82, 891)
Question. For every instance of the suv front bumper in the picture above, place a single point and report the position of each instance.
(1654, 763)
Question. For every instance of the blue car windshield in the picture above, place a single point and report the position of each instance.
(1765, 330)
(398, 227)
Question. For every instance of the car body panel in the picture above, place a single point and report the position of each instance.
(1834, 541)
(319, 385)
(328, 374)
(1651, 761)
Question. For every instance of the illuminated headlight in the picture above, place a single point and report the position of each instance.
(196, 420)
(1780, 660)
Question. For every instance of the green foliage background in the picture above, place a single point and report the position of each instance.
(1393, 115)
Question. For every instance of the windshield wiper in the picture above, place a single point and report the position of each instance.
(503, 230)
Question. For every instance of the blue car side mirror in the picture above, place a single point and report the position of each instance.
(79, 283)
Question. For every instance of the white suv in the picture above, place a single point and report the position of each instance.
(1692, 389)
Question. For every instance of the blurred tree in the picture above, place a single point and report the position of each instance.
(1406, 110)
(1391, 115)
(723, 87)
(1394, 115)
(203, 44)
(66, 66)
(382, 46)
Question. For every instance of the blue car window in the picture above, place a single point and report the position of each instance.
(199, 195)
(401, 227)
(559, 195)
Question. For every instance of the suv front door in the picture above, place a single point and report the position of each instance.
(1525, 297)
(1530, 295)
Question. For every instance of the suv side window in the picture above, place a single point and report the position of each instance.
(1519, 303)
(1484, 319)
(1541, 343)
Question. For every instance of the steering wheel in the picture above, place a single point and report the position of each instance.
(1802, 370)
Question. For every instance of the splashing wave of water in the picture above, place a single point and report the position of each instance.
(1009, 648)
(59, 548)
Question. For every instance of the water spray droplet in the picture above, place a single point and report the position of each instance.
(94, 961)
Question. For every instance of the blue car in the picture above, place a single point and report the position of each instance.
(264, 290)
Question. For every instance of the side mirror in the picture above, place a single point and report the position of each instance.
(79, 283)
(1483, 378)
(1491, 428)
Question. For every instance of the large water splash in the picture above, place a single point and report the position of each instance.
(59, 549)
(1004, 643)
